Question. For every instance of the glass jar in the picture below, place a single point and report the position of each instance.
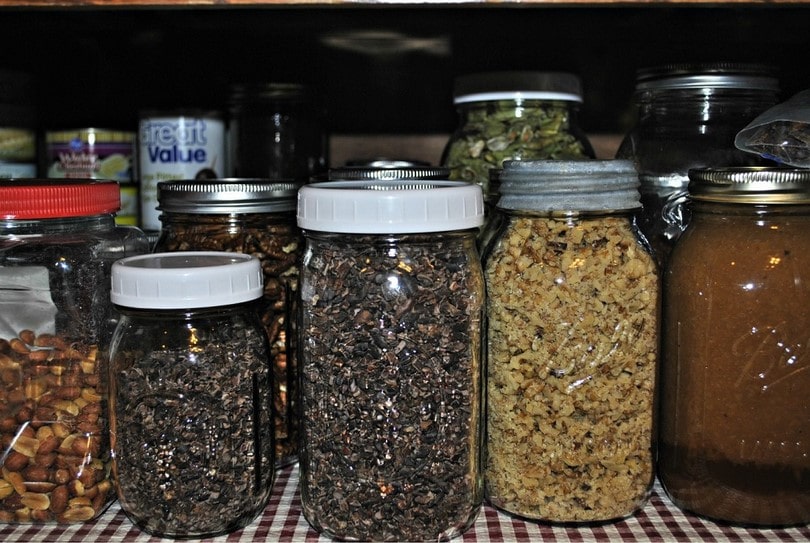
(58, 240)
(392, 306)
(255, 217)
(572, 344)
(275, 130)
(191, 394)
(688, 117)
(734, 383)
(513, 116)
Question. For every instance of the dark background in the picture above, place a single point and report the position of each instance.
(379, 70)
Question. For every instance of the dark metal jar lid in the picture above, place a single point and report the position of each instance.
(750, 185)
(552, 186)
(509, 85)
(394, 172)
(707, 75)
(228, 195)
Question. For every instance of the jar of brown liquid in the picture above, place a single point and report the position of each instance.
(736, 368)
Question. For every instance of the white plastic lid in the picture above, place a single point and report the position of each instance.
(186, 280)
(390, 207)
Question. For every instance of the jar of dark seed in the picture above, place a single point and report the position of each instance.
(191, 393)
(255, 217)
(572, 344)
(392, 301)
(58, 240)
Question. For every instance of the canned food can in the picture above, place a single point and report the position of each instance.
(18, 139)
(96, 153)
(184, 145)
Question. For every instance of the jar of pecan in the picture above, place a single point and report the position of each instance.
(572, 344)
(58, 240)
(735, 366)
(255, 217)
(391, 312)
(190, 400)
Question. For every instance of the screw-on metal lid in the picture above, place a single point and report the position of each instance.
(707, 75)
(512, 85)
(229, 195)
(401, 207)
(569, 186)
(750, 185)
(395, 172)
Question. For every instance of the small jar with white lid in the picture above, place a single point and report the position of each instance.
(391, 314)
(191, 395)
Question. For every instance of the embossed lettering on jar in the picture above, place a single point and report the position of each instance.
(735, 381)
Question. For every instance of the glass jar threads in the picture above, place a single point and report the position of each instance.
(255, 217)
(734, 381)
(513, 116)
(190, 400)
(392, 305)
(58, 240)
(688, 117)
(572, 332)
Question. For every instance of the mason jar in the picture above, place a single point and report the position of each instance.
(735, 379)
(391, 312)
(510, 115)
(58, 241)
(572, 344)
(190, 394)
(687, 117)
(254, 217)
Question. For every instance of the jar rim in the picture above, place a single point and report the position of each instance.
(750, 185)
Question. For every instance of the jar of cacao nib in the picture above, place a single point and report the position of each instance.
(688, 116)
(735, 370)
(255, 217)
(391, 314)
(58, 240)
(572, 344)
(191, 394)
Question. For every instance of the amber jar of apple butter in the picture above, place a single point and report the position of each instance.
(734, 440)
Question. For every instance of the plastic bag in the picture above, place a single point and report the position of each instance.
(781, 133)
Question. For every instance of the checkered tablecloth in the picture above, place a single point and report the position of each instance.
(282, 521)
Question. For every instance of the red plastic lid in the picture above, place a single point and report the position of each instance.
(55, 198)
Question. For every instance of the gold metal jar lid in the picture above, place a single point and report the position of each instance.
(750, 185)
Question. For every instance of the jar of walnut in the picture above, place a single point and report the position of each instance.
(255, 217)
(58, 240)
(573, 308)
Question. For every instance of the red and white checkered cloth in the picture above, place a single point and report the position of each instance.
(282, 521)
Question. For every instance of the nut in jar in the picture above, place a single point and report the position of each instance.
(55, 464)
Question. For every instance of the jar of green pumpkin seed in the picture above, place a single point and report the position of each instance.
(523, 115)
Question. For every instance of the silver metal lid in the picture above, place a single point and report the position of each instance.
(569, 186)
(727, 75)
(394, 172)
(750, 185)
(228, 195)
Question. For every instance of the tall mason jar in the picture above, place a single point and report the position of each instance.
(510, 115)
(572, 344)
(391, 314)
(734, 384)
(190, 394)
(687, 117)
(254, 217)
(58, 241)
